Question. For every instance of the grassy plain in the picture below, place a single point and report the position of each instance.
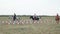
(47, 25)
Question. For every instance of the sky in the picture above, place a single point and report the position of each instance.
(29, 7)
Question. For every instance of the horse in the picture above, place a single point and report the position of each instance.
(34, 18)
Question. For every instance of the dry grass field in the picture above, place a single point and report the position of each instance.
(46, 25)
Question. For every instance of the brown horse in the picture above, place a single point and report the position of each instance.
(57, 19)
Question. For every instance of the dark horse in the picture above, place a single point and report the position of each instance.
(34, 18)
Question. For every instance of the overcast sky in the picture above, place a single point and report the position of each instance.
(29, 7)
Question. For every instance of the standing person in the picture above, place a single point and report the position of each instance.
(57, 19)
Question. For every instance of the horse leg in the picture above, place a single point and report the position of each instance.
(57, 21)
(33, 21)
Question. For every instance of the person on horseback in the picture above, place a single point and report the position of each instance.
(34, 16)
(14, 17)
(57, 19)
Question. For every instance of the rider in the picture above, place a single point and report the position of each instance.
(34, 16)
(14, 17)
(57, 18)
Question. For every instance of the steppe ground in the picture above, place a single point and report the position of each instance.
(46, 25)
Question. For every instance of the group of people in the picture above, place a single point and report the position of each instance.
(32, 17)
(36, 18)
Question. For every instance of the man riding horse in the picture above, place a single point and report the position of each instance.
(14, 17)
(57, 19)
(34, 17)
